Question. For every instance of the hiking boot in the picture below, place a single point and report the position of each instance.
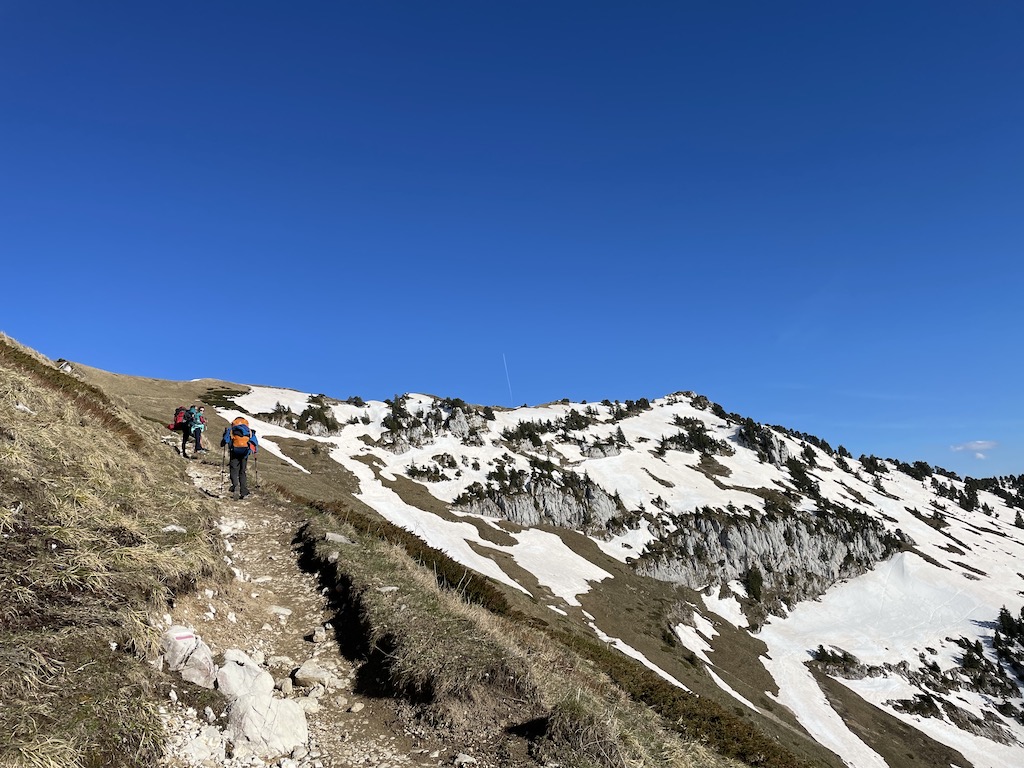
(242, 495)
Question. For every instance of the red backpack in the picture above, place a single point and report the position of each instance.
(179, 422)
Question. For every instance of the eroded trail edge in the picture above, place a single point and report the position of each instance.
(276, 617)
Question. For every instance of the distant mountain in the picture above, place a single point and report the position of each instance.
(868, 605)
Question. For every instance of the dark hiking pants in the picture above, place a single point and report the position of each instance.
(238, 479)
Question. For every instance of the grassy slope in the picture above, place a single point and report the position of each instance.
(84, 498)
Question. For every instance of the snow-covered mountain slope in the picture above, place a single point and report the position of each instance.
(900, 584)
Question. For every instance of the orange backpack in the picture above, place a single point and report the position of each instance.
(240, 435)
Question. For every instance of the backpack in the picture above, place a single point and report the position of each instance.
(182, 419)
(240, 434)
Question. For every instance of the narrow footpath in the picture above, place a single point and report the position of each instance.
(275, 613)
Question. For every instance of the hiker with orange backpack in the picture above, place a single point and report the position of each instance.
(240, 441)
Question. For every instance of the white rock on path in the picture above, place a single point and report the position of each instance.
(186, 653)
(311, 673)
(257, 722)
(241, 676)
(270, 726)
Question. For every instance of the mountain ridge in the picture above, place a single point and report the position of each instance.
(768, 542)
(790, 486)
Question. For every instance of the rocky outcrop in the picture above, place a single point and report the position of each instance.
(405, 438)
(581, 504)
(319, 429)
(601, 450)
(974, 673)
(764, 441)
(794, 556)
(468, 427)
(778, 451)
(405, 431)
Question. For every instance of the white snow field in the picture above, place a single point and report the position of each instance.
(961, 569)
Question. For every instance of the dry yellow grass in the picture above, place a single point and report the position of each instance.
(85, 495)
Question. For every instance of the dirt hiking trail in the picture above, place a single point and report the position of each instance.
(277, 614)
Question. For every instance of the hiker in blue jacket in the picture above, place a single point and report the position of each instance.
(240, 442)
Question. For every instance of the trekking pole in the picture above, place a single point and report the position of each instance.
(223, 456)
(256, 469)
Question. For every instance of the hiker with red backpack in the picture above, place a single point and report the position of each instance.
(240, 441)
(185, 421)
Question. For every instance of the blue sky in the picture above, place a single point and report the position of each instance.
(810, 213)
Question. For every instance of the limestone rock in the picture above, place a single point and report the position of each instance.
(184, 652)
(311, 674)
(268, 726)
(543, 500)
(207, 746)
(258, 723)
(799, 555)
(241, 676)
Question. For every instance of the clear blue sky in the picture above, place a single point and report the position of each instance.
(812, 213)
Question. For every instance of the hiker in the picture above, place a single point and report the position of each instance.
(198, 428)
(191, 420)
(240, 442)
(185, 420)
